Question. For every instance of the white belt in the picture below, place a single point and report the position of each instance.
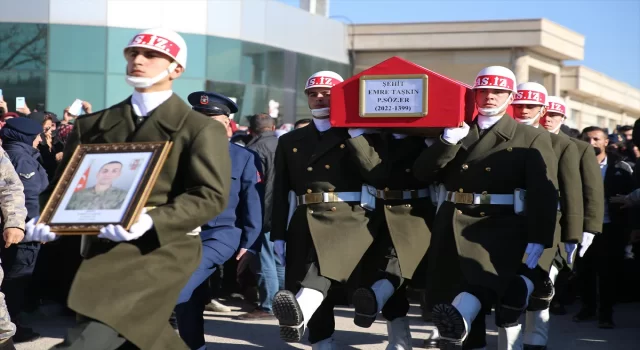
(484, 198)
(402, 195)
(328, 197)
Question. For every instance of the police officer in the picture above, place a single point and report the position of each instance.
(159, 253)
(529, 108)
(19, 136)
(401, 213)
(317, 212)
(477, 234)
(221, 236)
(14, 211)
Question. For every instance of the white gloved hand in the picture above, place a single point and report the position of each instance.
(117, 233)
(38, 233)
(533, 253)
(279, 248)
(454, 135)
(355, 132)
(587, 239)
(570, 248)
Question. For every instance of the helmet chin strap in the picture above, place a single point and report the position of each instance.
(320, 113)
(530, 121)
(141, 82)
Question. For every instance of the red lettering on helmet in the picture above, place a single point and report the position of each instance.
(156, 42)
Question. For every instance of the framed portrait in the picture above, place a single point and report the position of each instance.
(104, 184)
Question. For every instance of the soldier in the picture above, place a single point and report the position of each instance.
(129, 281)
(14, 215)
(237, 228)
(401, 209)
(104, 195)
(324, 226)
(529, 107)
(479, 239)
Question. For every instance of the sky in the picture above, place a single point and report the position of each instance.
(611, 27)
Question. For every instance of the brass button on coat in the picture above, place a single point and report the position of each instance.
(386, 188)
(327, 166)
(487, 169)
(459, 211)
(333, 209)
(310, 211)
(461, 190)
(309, 169)
(408, 205)
(509, 149)
(407, 170)
(309, 190)
(465, 166)
(388, 207)
(342, 145)
(295, 150)
(482, 213)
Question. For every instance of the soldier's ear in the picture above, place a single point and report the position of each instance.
(176, 73)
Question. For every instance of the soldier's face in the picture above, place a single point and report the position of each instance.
(318, 98)
(527, 111)
(491, 98)
(108, 173)
(146, 63)
(597, 139)
(551, 121)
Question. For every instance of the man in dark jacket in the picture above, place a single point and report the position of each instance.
(270, 272)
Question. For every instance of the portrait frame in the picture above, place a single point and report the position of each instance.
(58, 213)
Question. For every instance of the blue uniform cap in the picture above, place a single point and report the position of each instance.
(24, 126)
(211, 103)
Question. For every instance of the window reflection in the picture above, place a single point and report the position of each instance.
(23, 46)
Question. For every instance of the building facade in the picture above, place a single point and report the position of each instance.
(536, 50)
(54, 51)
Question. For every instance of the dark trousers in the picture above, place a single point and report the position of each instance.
(380, 261)
(598, 269)
(193, 296)
(18, 263)
(397, 306)
(94, 335)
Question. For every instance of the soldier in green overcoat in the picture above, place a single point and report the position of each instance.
(483, 231)
(530, 107)
(129, 281)
(317, 212)
(402, 214)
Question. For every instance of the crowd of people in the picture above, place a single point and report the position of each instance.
(515, 216)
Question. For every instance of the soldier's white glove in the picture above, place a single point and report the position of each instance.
(570, 248)
(355, 132)
(587, 239)
(38, 233)
(279, 248)
(454, 135)
(117, 233)
(533, 254)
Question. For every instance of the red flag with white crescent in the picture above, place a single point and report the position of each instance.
(83, 180)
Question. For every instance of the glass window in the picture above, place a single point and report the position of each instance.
(117, 40)
(196, 59)
(117, 89)
(232, 90)
(64, 87)
(77, 48)
(223, 59)
(253, 64)
(23, 46)
(183, 87)
(275, 68)
(28, 84)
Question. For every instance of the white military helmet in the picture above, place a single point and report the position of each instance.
(496, 77)
(325, 78)
(162, 40)
(530, 94)
(556, 104)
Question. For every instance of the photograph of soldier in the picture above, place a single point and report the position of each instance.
(104, 195)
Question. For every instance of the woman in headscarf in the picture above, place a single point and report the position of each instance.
(20, 137)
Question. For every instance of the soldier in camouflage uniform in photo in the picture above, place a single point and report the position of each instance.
(102, 196)
(14, 215)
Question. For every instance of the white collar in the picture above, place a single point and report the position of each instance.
(485, 122)
(322, 124)
(604, 161)
(145, 102)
